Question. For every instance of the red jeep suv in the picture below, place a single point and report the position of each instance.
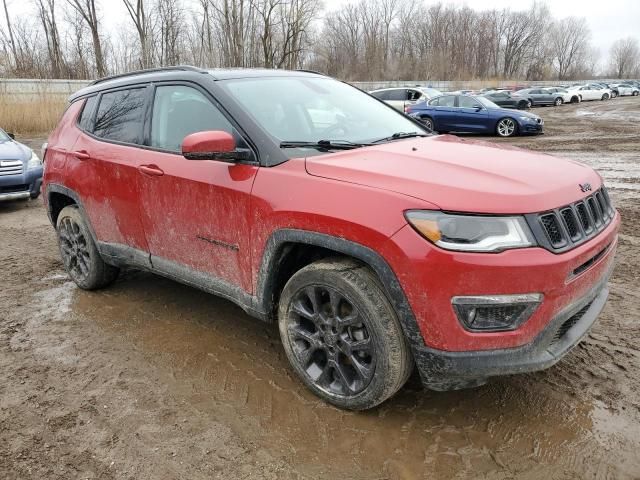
(374, 244)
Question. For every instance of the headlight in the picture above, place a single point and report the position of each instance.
(471, 233)
(527, 119)
(34, 161)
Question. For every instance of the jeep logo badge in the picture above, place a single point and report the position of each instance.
(585, 187)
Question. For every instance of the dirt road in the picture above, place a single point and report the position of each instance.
(153, 380)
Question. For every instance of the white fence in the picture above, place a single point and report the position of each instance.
(27, 89)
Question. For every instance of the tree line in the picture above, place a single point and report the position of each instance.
(361, 40)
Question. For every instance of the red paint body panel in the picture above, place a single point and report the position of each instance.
(461, 175)
(217, 218)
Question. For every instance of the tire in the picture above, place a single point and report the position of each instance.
(321, 346)
(529, 103)
(506, 127)
(558, 101)
(79, 253)
(523, 105)
(635, 94)
(605, 96)
(614, 94)
(575, 99)
(428, 122)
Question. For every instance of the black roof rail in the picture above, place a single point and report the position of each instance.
(183, 68)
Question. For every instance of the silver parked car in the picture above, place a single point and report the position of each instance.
(401, 97)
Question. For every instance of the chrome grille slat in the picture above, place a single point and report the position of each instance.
(570, 225)
(10, 167)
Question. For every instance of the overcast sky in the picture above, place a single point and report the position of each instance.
(609, 20)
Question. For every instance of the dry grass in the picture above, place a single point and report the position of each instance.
(38, 115)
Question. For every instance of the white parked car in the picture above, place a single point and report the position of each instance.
(591, 91)
(567, 96)
(401, 97)
(627, 89)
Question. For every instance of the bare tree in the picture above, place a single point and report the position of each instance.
(625, 57)
(141, 21)
(569, 41)
(88, 12)
(12, 43)
(47, 15)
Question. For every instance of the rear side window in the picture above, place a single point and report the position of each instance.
(86, 116)
(467, 102)
(383, 95)
(398, 94)
(120, 116)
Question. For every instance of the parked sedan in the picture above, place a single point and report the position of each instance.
(541, 96)
(400, 98)
(591, 91)
(567, 97)
(20, 170)
(625, 89)
(470, 114)
(506, 99)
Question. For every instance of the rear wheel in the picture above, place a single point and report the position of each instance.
(614, 94)
(523, 105)
(635, 93)
(529, 103)
(558, 101)
(79, 253)
(428, 122)
(605, 96)
(507, 127)
(575, 99)
(342, 336)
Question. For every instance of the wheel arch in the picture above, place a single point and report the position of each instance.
(58, 197)
(289, 250)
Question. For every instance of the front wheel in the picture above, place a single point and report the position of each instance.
(79, 253)
(614, 94)
(635, 94)
(342, 336)
(605, 96)
(529, 103)
(558, 101)
(507, 127)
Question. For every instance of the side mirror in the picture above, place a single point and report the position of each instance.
(478, 108)
(212, 145)
(12, 136)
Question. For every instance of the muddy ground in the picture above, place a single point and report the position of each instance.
(154, 380)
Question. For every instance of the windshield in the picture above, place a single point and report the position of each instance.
(4, 137)
(308, 109)
(486, 102)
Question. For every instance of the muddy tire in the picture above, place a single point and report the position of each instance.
(575, 99)
(342, 336)
(79, 253)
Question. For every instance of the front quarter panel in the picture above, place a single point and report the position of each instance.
(286, 197)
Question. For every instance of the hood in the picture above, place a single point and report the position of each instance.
(461, 175)
(14, 151)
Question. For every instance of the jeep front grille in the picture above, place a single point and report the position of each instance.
(570, 225)
(10, 167)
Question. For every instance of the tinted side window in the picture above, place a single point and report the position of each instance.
(120, 116)
(467, 102)
(447, 101)
(179, 111)
(384, 95)
(398, 94)
(86, 116)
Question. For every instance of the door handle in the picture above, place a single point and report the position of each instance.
(81, 155)
(152, 170)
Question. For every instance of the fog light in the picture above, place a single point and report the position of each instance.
(495, 313)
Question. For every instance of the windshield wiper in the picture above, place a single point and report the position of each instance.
(399, 136)
(324, 144)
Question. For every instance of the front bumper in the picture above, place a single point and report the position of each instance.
(22, 186)
(442, 370)
(531, 127)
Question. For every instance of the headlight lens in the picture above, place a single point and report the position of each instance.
(471, 233)
(34, 161)
(526, 119)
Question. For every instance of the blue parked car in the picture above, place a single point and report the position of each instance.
(471, 114)
(20, 170)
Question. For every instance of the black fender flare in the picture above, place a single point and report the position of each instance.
(265, 288)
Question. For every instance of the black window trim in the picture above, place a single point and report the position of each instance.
(213, 100)
(84, 106)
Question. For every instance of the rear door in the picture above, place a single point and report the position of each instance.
(103, 167)
(443, 110)
(195, 212)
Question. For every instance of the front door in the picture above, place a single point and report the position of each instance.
(195, 212)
